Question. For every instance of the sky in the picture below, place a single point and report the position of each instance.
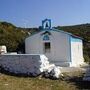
(30, 13)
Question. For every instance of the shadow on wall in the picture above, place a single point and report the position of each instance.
(7, 72)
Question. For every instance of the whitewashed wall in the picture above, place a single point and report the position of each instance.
(60, 47)
(24, 63)
(76, 52)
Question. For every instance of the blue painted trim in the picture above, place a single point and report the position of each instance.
(75, 39)
(46, 20)
(66, 33)
(70, 49)
(53, 29)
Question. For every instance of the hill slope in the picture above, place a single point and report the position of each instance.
(13, 37)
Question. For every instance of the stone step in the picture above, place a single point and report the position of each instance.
(61, 64)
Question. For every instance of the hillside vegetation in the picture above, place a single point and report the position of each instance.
(13, 37)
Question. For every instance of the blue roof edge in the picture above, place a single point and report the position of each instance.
(67, 33)
(58, 30)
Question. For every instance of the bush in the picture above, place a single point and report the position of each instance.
(86, 58)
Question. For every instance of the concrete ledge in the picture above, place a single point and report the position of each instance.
(24, 63)
(61, 63)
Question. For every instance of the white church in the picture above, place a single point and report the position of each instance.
(61, 48)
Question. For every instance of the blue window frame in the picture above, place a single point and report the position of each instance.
(46, 37)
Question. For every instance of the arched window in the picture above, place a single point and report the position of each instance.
(46, 37)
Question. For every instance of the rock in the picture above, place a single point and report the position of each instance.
(30, 65)
(53, 72)
(87, 75)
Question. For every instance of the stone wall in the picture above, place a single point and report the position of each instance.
(24, 63)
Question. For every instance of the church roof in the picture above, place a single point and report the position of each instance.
(66, 33)
(57, 30)
(46, 26)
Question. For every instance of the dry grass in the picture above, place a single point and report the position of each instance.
(8, 82)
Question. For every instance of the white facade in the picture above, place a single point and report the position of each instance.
(76, 51)
(61, 48)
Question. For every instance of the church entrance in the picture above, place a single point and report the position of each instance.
(47, 47)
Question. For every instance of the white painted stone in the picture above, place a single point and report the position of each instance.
(3, 49)
(28, 64)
